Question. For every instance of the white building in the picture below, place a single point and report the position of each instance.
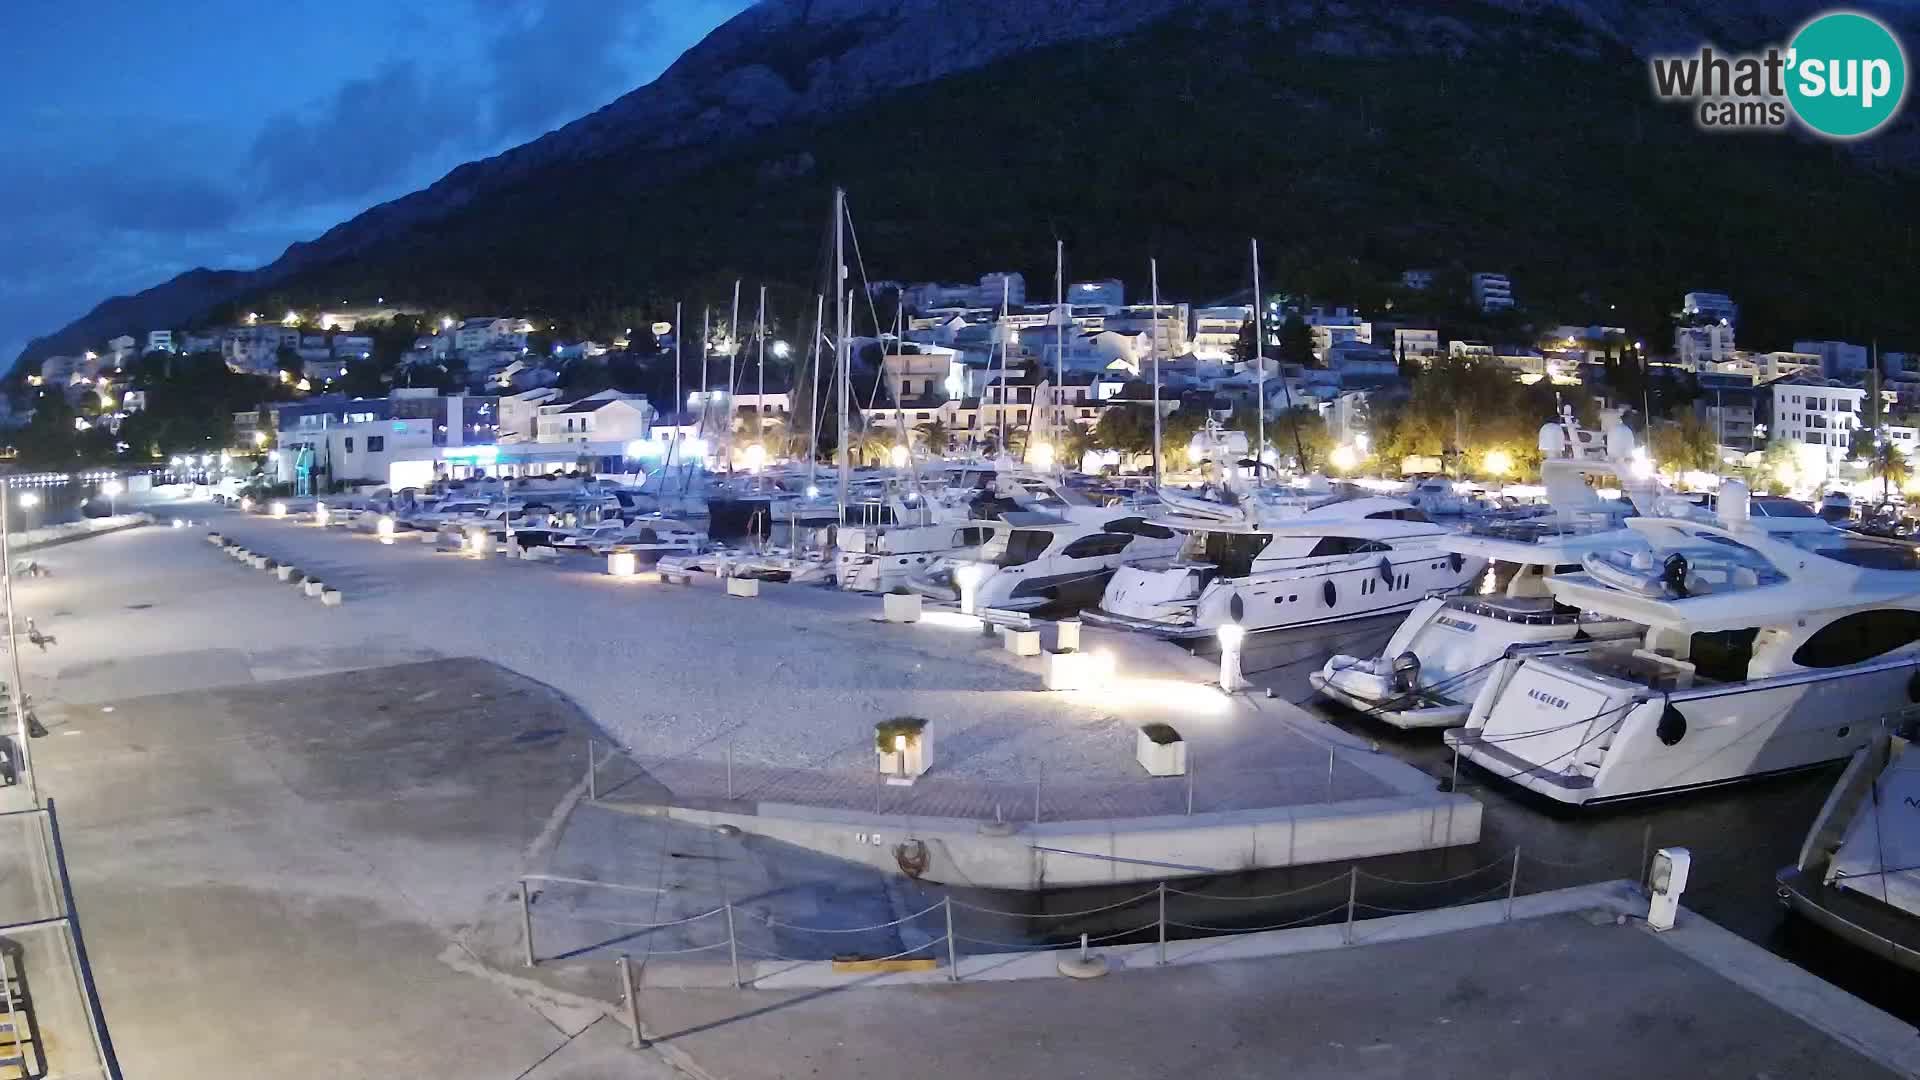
(1709, 307)
(1838, 359)
(519, 413)
(1703, 346)
(1416, 280)
(352, 347)
(1492, 292)
(1002, 285)
(1109, 293)
(1414, 344)
(1166, 335)
(159, 341)
(1216, 330)
(256, 349)
(120, 350)
(601, 425)
(1817, 413)
(1469, 350)
(1777, 365)
(491, 332)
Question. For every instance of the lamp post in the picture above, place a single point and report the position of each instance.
(111, 489)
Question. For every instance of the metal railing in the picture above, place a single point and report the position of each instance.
(950, 928)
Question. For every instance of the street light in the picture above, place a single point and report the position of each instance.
(1344, 457)
(111, 489)
(29, 499)
(1498, 463)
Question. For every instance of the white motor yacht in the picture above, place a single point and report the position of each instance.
(650, 539)
(1344, 559)
(1858, 874)
(1438, 659)
(1041, 560)
(1769, 643)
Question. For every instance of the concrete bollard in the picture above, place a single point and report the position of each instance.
(743, 586)
(259, 562)
(330, 597)
(1231, 679)
(901, 607)
(1068, 636)
(622, 564)
(284, 572)
(312, 587)
(1074, 670)
(216, 539)
(1021, 642)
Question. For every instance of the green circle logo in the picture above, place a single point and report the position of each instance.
(1847, 74)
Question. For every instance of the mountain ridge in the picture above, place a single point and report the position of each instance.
(785, 62)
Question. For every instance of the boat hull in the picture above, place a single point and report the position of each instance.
(1858, 920)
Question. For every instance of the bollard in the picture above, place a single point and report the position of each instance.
(1068, 639)
(1231, 636)
(330, 597)
(1083, 964)
(632, 1000)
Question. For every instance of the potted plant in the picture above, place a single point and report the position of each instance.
(1160, 750)
(905, 746)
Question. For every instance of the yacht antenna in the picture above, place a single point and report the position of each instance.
(843, 301)
(1005, 292)
(1060, 314)
(760, 396)
(733, 351)
(1260, 376)
(813, 417)
(1153, 347)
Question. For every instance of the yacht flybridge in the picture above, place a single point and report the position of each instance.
(1440, 657)
(1342, 559)
(1769, 645)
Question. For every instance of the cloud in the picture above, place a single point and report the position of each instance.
(368, 138)
(558, 63)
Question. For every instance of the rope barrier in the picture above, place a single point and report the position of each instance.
(1171, 891)
(1258, 929)
(838, 930)
(1505, 861)
(1056, 915)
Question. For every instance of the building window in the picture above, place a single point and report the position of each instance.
(376, 443)
(349, 444)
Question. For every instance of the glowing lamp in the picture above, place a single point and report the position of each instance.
(246, 503)
(1497, 462)
(967, 576)
(277, 509)
(384, 528)
(112, 488)
(1344, 457)
(623, 564)
(321, 515)
(756, 457)
(1042, 455)
(898, 455)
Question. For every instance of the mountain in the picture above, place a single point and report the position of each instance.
(1356, 137)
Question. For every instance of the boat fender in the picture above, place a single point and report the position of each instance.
(1329, 593)
(1236, 608)
(912, 857)
(1672, 726)
(1386, 570)
(1455, 560)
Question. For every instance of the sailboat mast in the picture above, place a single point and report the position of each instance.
(813, 415)
(733, 350)
(678, 399)
(1059, 345)
(706, 346)
(843, 356)
(1260, 377)
(760, 396)
(1005, 291)
(1153, 347)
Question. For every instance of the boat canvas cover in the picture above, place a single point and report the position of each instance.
(1880, 855)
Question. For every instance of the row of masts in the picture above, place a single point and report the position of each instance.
(1059, 410)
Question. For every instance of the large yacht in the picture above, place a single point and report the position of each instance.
(1858, 874)
(1436, 662)
(1767, 644)
(1342, 559)
(1040, 560)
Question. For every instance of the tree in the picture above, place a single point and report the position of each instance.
(1886, 464)
(1685, 444)
(1296, 342)
(288, 359)
(1303, 430)
(935, 436)
(1247, 347)
(1457, 408)
(1127, 428)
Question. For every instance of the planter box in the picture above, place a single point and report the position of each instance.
(1021, 642)
(1160, 759)
(901, 607)
(311, 587)
(284, 573)
(907, 765)
(743, 586)
(331, 598)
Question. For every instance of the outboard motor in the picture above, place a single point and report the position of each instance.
(1406, 672)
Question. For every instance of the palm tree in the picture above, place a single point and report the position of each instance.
(1886, 462)
(935, 436)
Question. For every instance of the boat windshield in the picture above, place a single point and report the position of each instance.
(1862, 551)
(1232, 552)
(1023, 546)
